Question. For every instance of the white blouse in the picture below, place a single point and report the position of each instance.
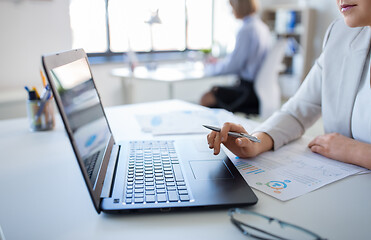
(361, 117)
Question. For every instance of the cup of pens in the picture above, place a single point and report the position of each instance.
(40, 109)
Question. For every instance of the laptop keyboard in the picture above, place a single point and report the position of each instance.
(90, 163)
(154, 174)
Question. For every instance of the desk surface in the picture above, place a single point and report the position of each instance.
(164, 73)
(43, 195)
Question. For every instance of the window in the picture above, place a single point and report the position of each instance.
(88, 25)
(114, 26)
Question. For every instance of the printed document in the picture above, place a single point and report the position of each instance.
(183, 122)
(292, 170)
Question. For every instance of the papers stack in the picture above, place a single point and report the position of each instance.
(183, 122)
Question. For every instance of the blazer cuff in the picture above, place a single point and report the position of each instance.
(282, 128)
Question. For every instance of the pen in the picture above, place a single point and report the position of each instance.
(43, 78)
(234, 134)
(31, 94)
(45, 97)
(36, 92)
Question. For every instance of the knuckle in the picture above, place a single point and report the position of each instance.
(333, 135)
(217, 138)
(211, 135)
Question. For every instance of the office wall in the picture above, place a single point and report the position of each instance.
(29, 29)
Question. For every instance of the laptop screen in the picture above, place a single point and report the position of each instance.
(84, 113)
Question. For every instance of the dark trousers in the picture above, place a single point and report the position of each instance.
(238, 98)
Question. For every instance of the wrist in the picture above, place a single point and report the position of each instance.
(361, 154)
(266, 142)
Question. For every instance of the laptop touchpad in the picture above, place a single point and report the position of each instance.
(210, 170)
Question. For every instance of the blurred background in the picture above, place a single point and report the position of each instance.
(160, 38)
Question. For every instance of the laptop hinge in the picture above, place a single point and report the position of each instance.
(109, 179)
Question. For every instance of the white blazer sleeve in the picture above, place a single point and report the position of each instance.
(300, 111)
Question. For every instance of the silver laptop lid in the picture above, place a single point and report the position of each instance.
(79, 104)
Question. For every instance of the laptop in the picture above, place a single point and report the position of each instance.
(137, 175)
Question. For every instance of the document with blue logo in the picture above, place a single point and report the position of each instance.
(292, 170)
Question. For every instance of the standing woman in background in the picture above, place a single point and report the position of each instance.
(338, 87)
(252, 44)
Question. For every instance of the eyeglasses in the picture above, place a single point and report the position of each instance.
(259, 226)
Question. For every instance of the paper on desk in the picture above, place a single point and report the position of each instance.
(291, 171)
(183, 122)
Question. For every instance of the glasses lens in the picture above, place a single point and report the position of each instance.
(264, 228)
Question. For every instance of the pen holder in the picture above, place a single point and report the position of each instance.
(40, 115)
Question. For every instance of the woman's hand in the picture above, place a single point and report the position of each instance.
(241, 147)
(339, 147)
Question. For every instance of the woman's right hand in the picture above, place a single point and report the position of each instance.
(241, 147)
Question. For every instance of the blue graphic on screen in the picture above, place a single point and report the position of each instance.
(84, 113)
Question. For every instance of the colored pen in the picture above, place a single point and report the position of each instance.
(234, 134)
(31, 94)
(43, 78)
(36, 92)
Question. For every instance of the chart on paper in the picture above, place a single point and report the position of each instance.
(247, 168)
(291, 171)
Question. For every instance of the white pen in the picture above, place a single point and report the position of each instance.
(234, 134)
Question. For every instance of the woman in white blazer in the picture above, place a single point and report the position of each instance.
(338, 87)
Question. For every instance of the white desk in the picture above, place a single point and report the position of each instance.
(168, 74)
(43, 195)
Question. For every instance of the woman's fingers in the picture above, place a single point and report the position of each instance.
(317, 149)
(230, 127)
(215, 139)
(217, 143)
(316, 141)
(243, 142)
(224, 131)
(210, 139)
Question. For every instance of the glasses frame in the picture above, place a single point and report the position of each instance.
(282, 224)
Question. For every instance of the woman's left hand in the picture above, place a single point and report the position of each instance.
(345, 149)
